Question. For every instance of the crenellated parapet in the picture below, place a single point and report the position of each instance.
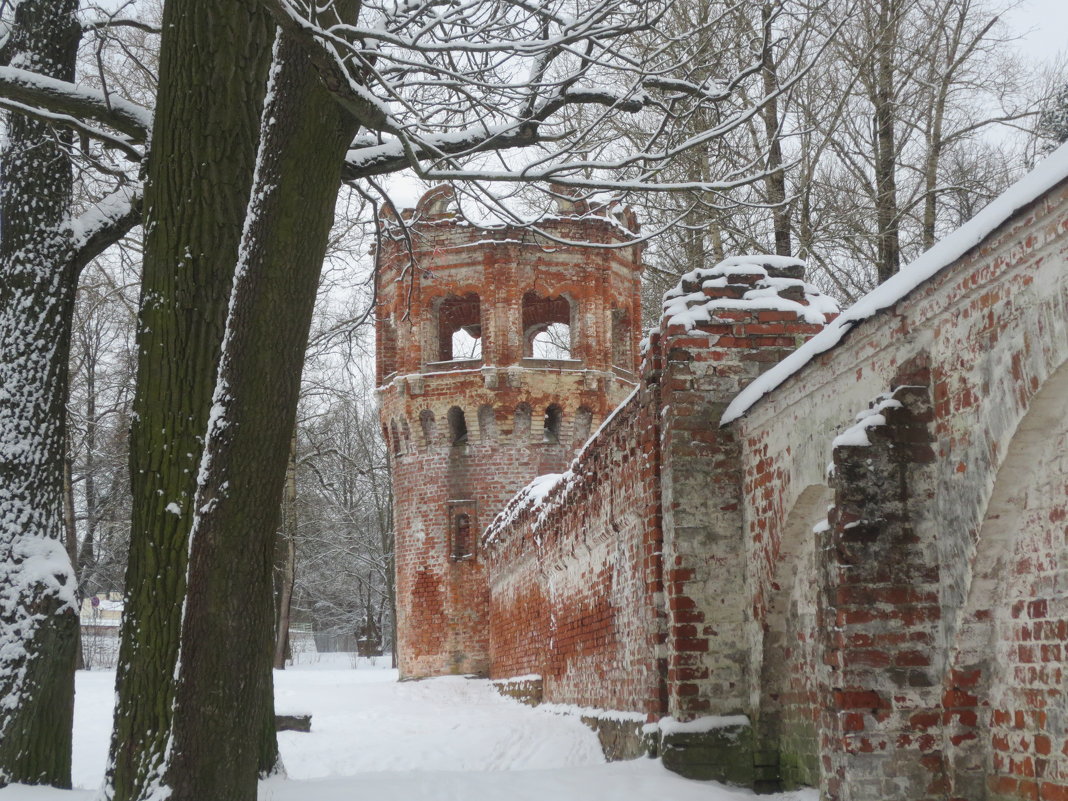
(503, 287)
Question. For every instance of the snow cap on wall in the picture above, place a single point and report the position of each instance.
(1046, 175)
(776, 285)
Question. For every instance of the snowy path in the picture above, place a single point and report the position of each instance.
(449, 739)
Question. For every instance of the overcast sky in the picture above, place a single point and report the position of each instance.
(1043, 26)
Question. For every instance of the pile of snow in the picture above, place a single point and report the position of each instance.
(1050, 172)
(574, 710)
(857, 434)
(436, 740)
(687, 305)
(701, 725)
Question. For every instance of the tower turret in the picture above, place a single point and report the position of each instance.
(498, 351)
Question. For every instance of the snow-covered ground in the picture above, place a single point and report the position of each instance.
(376, 738)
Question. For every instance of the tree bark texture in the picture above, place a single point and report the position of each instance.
(228, 631)
(38, 610)
(886, 210)
(214, 59)
(775, 183)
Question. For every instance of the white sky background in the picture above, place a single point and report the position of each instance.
(1043, 28)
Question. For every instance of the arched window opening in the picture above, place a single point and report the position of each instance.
(523, 415)
(554, 416)
(429, 426)
(583, 422)
(547, 329)
(552, 342)
(459, 328)
(457, 426)
(463, 537)
(465, 346)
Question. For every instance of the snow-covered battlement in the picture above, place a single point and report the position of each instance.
(746, 283)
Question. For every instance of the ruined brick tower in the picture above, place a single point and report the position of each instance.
(475, 403)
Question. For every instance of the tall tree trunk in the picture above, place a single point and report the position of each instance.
(285, 560)
(227, 632)
(886, 211)
(214, 59)
(930, 175)
(38, 609)
(775, 182)
(957, 51)
(199, 582)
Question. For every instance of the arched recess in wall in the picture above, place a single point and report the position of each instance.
(458, 328)
(548, 327)
(521, 427)
(457, 426)
(487, 423)
(429, 428)
(553, 423)
(387, 334)
(463, 537)
(621, 339)
(583, 422)
(791, 663)
(1005, 696)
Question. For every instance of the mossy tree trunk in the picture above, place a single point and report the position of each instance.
(38, 276)
(228, 633)
(214, 59)
(211, 541)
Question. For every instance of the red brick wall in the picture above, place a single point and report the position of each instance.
(879, 612)
(575, 587)
(983, 336)
(711, 668)
(1005, 699)
(443, 600)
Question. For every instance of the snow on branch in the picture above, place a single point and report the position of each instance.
(103, 23)
(454, 91)
(104, 224)
(76, 107)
